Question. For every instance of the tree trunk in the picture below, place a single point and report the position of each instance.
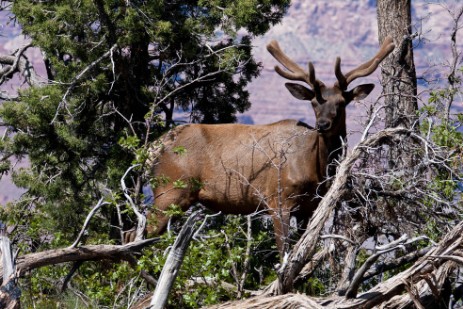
(398, 77)
(398, 74)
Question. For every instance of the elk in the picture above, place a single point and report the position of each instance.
(279, 167)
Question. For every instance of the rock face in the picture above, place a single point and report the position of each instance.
(318, 31)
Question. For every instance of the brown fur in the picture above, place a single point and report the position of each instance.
(240, 167)
(278, 167)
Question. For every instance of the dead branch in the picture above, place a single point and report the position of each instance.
(174, 261)
(388, 294)
(359, 275)
(287, 301)
(395, 263)
(84, 253)
(310, 267)
(10, 294)
(18, 63)
(141, 219)
(304, 250)
(305, 247)
(247, 257)
(87, 221)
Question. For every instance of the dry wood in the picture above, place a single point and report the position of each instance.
(306, 246)
(174, 261)
(388, 294)
(433, 264)
(84, 253)
(9, 292)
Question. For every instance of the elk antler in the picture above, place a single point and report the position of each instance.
(364, 69)
(295, 71)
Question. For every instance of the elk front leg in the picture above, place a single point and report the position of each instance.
(165, 197)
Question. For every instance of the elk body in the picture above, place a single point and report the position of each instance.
(278, 167)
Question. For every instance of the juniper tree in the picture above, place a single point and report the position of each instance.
(116, 72)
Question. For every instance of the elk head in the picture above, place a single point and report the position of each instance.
(328, 102)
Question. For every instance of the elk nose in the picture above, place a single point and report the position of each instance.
(323, 125)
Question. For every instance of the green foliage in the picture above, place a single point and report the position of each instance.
(207, 267)
(117, 71)
(173, 210)
(180, 184)
(179, 150)
(204, 279)
(195, 184)
(444, 125)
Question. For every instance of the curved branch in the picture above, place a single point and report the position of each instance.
(87, 221)
(141, 219)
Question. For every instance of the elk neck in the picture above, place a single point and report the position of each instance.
(329, 148)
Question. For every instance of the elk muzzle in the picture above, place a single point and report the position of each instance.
(323, 125)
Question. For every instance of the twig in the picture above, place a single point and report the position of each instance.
(399, 243)
(87, 221)
(326, 236)
(247, 256)
(141, 219)
(78, 77)
(393, 264)
(196, 235)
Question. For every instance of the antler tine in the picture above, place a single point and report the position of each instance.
(296, 72)
(316, 84)
(341, 83)
(364, 69)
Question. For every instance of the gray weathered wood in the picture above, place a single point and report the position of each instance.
(174, 261)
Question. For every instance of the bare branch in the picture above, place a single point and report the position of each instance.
(18, 63)
(87, 221)
(78, 77)
(173, 263)
(141, 219)
(83, 253)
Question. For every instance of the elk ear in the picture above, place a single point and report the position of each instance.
(360, 92)
(300, 92)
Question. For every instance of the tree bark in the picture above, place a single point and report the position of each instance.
(398, 73)
(10, 294)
